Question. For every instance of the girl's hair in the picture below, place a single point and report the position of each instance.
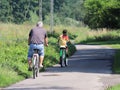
(64, 31)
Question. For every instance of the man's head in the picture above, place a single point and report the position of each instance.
(64, 32)
(40, 24)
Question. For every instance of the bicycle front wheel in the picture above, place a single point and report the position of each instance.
(66, 62)
(62, 57)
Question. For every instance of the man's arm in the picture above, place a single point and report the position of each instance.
(29, 40)
(46, 41)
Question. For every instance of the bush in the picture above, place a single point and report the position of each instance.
(103, 36)
(71, 49)
(62, 21)
(14, 58)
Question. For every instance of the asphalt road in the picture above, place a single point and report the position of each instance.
(89, 69)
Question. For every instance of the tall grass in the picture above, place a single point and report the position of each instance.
(80, 33)
(8, 76)
(14, 48)
(116, 87)
(110, 36)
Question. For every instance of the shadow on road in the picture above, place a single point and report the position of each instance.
(84, 67)
(88, 61)
(41, 88)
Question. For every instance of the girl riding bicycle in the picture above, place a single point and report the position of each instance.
(63, 40)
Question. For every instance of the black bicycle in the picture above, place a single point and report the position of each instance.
(63, 58)
(35, 63)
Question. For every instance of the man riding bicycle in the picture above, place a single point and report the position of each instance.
(37, 39)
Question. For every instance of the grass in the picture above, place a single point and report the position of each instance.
(13, 41)
(116, 87)
(14, 48)
(8, 76)
(109, 39)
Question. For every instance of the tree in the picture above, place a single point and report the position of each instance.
(19, 11)
(102, 14)
(5, 11)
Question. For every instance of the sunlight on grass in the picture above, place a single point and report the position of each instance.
(13, 42)
(116, 87)
(8, 76)
(16, 35)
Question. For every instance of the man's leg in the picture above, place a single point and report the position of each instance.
(41, 61)
(30, 65)
(29, 62)
(41, 54)
(30, 53)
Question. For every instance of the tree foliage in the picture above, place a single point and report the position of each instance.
(94, 13)
(102, 13)
(19, 11)
(5, 11)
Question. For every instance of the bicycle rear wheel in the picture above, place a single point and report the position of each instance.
(33, 72)
(37, 67)
(62, 57)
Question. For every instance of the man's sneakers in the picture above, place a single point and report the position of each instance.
(41, 66)
(30, 69)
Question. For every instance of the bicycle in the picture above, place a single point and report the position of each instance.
(63, 58)
(35, 63)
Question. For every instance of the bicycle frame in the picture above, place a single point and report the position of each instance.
(63, 61)
(35, 63)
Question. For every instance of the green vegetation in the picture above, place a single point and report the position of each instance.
(103, 37)
(102, 13)
(94, 13)
(116, 87)
(8, 76)
(108, 38)
(20, 11)
(13, 40)
(14, 48)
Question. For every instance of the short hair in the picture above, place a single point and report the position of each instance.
(40, 24)
(64, 31)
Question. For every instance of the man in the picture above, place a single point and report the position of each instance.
(37, 39)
